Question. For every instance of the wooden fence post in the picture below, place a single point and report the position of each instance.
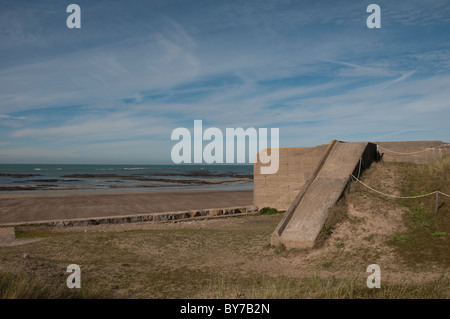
(437, 201)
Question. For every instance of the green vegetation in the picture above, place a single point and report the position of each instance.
(439, 233)
(402, 238)
(30, 232)
(318, 287)
(200, 284)
(271, 211)
(425, 239)
(327, 230)
(15, 285)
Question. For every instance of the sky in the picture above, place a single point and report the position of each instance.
(112, 91)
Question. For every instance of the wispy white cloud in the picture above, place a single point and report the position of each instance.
(9, 117)
(404, 76)
(312, 68)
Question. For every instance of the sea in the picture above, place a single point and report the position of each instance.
(123, 178)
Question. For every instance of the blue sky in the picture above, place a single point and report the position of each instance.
(113, 91)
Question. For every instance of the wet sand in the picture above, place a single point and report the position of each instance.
(26, 207)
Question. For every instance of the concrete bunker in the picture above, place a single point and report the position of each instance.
(310, 180)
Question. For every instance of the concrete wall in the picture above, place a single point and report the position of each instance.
(151, 217)
(296, 166)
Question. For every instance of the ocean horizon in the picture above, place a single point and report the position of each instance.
(123, 177)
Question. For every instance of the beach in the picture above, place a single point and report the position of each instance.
(39, 206)
(35, 192)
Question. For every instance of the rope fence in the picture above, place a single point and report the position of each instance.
(354, 178)
(412, 153)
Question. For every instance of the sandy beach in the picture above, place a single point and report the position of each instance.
(39, 206)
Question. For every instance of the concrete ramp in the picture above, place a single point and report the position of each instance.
(308, 212)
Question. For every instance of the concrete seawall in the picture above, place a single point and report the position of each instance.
(151, 217)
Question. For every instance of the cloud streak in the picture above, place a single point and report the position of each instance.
(116, 88)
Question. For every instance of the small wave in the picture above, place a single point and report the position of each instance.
(40, 169)
(134, 168)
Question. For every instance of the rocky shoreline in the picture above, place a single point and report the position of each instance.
(83, 181)
(136, 182)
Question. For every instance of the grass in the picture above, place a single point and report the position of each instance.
(212, 286)
(425, 239)
(270, 211)
(17, 285)
(439, 233)
(161, 263)
(402, 238)
(233, 258)
(31, 232)
(319, 287)
(183, 263)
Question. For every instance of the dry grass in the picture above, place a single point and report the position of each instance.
(232, 257)
(320, 287)
(20, 285)
(427, 234)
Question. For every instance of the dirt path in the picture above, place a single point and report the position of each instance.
(7, 238)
